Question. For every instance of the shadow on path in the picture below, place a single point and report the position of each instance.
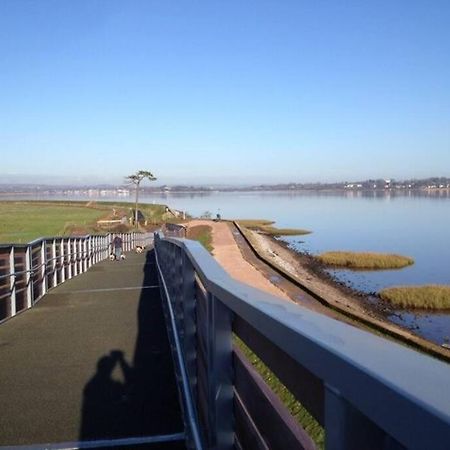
(139, 399)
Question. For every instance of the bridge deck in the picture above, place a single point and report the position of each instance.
(90, 361)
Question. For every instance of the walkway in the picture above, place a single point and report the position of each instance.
(91, 361)
(229, 256)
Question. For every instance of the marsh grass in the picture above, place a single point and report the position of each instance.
(297, 410)
(431, 296)
(202, 234)
(273, 231)
(255, 223)
(266, 227)
(365, 260)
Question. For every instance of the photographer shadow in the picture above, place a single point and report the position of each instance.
(145, 401)
(106, 402)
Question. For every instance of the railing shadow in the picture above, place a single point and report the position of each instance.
(145, 402)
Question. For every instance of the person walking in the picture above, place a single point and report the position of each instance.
(117, 245)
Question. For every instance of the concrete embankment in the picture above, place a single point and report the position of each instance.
(336, 301)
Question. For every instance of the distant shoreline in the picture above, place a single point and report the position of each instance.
(112, 192)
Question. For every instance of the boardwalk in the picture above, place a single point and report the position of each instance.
(90, 361)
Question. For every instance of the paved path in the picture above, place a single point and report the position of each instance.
(90, 361)
(228, 254)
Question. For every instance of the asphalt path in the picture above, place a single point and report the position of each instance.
(90, 361)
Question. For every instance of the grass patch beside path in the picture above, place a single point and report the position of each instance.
(202, 234)
(23, 221)
(365, 260)
(297, 410)
(431, 296)
(266, 227)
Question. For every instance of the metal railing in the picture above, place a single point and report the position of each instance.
(367, 392)
(27, 271)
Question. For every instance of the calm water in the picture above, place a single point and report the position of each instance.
(411, 224)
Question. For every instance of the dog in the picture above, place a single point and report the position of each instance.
(122, 256)
(139, 249)
(112, 257)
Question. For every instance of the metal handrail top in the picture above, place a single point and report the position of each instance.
(354, 358)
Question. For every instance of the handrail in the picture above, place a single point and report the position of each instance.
(29, 270)
(369, 383)
(188, 403)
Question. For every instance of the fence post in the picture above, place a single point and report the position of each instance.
(69, 254)
(346, 428)
(86, 242)
(62, 259)
(55, 277)
(43, 260)
(190, 318)
(220, 375)
(95, 250)
(80, 255)
(29, 276)
(12, 283)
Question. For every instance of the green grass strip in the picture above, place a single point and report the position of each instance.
(297, 410)
(202, 234)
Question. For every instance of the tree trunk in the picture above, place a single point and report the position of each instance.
(136, 223)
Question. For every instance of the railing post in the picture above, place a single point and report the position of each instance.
(69, 254)
(12, 283)
(80, 255)
(346, 428)
(75, 255)
(190, 318)
(95, 249)
(29, 276)
(86, 243)
(105, 246)
(62, 259)
(220, 375)
(55, 275)
(43, 260)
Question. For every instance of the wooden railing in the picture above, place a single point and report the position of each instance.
(367, 392)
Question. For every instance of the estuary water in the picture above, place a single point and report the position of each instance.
(415, 224)
(410, 223)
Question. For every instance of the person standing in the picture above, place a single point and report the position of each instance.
(117, 245)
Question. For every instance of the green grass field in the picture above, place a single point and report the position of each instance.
(365, 260)
(23, 221)
(430, 296)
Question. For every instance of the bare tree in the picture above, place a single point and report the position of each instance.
(136, 179)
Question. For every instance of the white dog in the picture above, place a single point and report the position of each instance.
(112, 257)
(139, 249)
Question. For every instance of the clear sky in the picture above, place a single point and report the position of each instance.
(224, 91)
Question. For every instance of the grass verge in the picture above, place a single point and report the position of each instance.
(365, 260)
(202, 234)
(23, 221)
(296, 409)
(431, 296)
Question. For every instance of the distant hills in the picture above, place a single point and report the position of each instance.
(433, 183)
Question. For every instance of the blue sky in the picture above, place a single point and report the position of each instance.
(224, 91)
